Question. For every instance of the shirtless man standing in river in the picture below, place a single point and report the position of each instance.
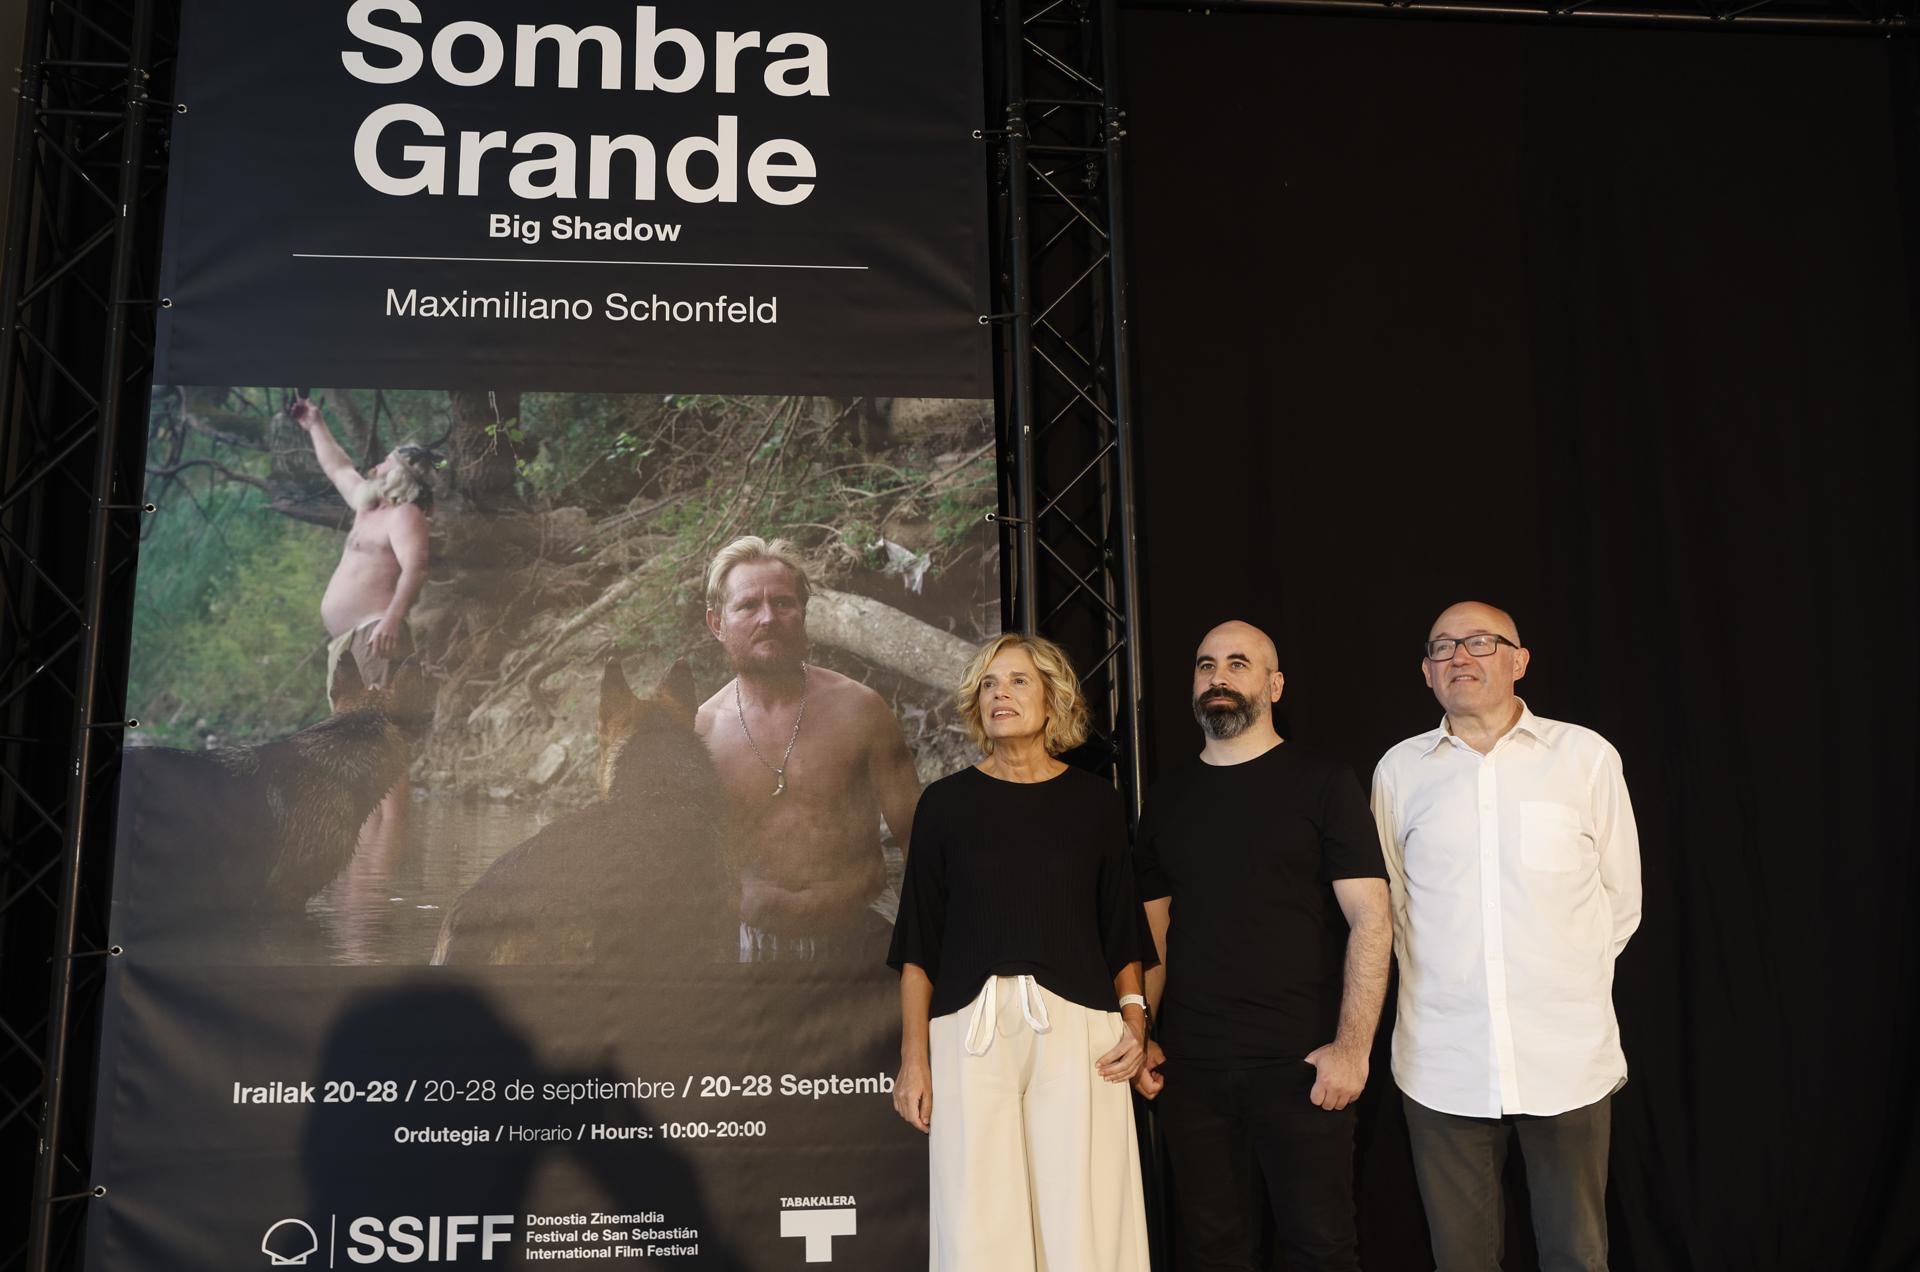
(365, 610)
(811, 761)
(384, 565)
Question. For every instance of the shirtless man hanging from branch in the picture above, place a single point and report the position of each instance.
(384, 565)
(811, 761)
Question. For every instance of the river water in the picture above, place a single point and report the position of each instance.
(414, 858)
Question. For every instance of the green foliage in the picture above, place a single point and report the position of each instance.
(227, 637)
(592, 447)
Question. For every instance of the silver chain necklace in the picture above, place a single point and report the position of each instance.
(779, 774)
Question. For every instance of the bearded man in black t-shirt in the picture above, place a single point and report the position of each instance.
(1267, 897)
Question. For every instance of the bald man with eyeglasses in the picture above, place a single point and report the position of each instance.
(1514, 868)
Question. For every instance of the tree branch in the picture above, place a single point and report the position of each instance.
(245, 431)
(175, 470)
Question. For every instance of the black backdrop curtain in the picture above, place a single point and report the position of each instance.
(1613, 328)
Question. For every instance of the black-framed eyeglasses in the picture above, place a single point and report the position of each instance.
(1479, 645)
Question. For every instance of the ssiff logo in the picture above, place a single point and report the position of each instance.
(403, 1239)
(817, 1221)
(289, 1242)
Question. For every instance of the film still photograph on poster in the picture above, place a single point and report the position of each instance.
(519, 827)
(436, 680)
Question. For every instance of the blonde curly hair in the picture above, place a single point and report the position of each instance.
(1066, 708)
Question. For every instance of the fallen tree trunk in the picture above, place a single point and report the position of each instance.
(880, 634)
(868, 629)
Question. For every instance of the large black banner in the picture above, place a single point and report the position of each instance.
(585, 195)
(534, 720)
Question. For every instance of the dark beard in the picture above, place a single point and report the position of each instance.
(1224, 720)
(776, 660)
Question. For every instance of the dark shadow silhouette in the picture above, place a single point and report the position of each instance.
(354, 1167)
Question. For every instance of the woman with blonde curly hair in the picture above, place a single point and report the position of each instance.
(1020, 944)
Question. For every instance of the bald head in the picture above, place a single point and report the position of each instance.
(1236, 681)
(1476, 686)
(1463, 618)
(1236, 637)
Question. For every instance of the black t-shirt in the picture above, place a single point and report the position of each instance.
(1257, 946)
(1011, 878)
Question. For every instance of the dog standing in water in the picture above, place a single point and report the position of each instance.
(636, 877)
(212, 837)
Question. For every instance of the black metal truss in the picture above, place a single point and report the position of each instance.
(77, 306)
(1066, 445)
(1826, 17)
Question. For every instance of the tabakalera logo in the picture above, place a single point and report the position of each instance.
(817, 1221)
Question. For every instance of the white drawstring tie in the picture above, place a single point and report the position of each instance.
(986, 1011)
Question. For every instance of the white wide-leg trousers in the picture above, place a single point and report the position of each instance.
(1033, 1158)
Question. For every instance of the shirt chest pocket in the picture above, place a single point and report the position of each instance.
(1553, 837)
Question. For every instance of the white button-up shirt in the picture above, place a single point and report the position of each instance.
(1516, 883)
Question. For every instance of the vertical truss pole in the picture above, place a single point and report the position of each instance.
(19, 204)
(76, 310)
(1125, 566)
(1068, 422)
(1020, 286)
(110, 395)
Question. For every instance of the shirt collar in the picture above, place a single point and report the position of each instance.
(1528, 723)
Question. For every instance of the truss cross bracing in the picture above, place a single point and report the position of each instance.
(1066, 467)
(76, 331)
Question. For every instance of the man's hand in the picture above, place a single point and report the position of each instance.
(1342, 1076)
(1123, 1061)
(385, 638)
(332, 460)
(913, 1094)
(1148, 1081)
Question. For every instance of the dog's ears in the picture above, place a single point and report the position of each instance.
(616, 696)
(348, 686)
(408, 702)
(676, 687)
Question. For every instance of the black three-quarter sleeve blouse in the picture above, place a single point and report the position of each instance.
(1012, 878)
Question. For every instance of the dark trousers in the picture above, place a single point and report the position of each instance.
(1227, 1128)
(1459, 1162)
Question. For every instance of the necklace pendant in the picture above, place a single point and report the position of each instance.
(781, 787)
